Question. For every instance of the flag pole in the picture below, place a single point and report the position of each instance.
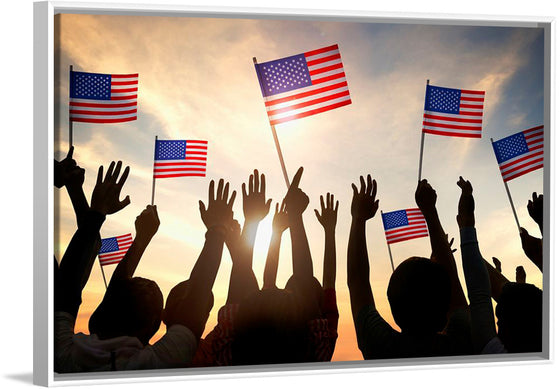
(422, 147)
(70, 123)
(103, 273)
(510, 200)
(389, 248)
(276, 142)
(154, 177)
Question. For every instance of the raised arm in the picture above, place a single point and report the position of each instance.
(426, 200)
(146, 224)
(296, 203)
(189, 303)
(532, 247)
(279, 225)
(478, 283)
(76, 263)
(327, 218)
(364, 207)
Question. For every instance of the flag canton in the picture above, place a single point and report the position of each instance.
(510, 147)
(395, 219)
(283, 75)
(93, 86)
(108, 245)
(171, 149)
(445, 100)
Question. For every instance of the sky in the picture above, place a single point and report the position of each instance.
(197, 81)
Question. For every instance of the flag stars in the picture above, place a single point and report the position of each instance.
(511, 147)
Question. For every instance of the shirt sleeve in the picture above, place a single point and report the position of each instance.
(63, 333)
(375, 335)
(478, 286)
(223, 334)
(175, 349)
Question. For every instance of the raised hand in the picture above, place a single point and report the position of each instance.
(532, 247)
(520, 275)
(497, 264)
(425, 196)
(280, 221)
(364, 204)
(219, 211)
(328, 214)
(296, 200)
(105, 196)
(147, 223)
(255, 205)
(535, 209)
(465, 214)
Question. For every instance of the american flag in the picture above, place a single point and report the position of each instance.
(404, 225)
(103, 98)
(113, 249)
(180, 158)
(520, 153)
(453, 112)
(303, 84)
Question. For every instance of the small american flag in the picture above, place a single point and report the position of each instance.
(520, 153)
(180, 158)
(113, 249)
(404, 225)
(453, 112)
(103, 98)
(303, 84)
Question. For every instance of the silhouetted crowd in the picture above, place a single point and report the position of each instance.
(297, 323)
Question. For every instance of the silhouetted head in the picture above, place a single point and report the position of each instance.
(130, 307)
(310, 293)
(519, 313)
(270, 328)
(419, 293)
(175, 305)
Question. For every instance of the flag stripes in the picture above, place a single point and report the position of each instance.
(114, 249)
(404, 225)
(180, 158)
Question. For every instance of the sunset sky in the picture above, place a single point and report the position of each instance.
(197, 81)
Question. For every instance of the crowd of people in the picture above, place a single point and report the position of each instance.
(296, 323)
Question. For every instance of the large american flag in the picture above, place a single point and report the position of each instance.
(303, 84)
(520, 153)
(113, 249)
(103, 98)
(453, 112)
(404, 225)
(180, 158)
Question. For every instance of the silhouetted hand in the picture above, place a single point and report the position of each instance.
(532, 247)
(520, 275)
(67, 173)
(296, 200)
(328, 214)
(105, 196)
(280, 222)
(147, 223)
(497, 264)
(364, 204)
(465, 214)
(255, 205)
(219, 212)
(425, 196)
(535, 209)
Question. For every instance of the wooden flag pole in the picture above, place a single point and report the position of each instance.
(276, 142)
(510, 200)
(154, 176)
(103, 273)
(70, 123)
(389, 248)
(422, 148)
